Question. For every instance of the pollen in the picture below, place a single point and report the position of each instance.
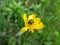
(30, 22)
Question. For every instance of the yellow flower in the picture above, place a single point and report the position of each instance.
(31, 23)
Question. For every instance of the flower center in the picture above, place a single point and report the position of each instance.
(30, 22)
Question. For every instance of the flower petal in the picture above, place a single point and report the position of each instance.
(31, 29)
(24, 29)
(38, 26)
(37, 20)
(31, 17)
(25, 19)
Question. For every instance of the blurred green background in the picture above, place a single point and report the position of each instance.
(11, 21)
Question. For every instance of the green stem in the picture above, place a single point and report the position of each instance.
(23, 38)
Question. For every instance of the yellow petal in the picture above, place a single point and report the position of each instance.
(37, 20)
(31, 17)
(24, 29)
(25, 19)
(38, 26)
(31, 29)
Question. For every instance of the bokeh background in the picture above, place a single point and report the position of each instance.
(11, 21)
